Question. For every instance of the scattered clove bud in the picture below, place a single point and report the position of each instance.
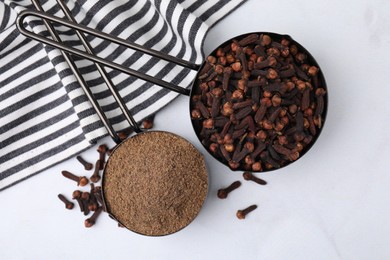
(93, 204)
(223, 193)
(68, 204)
(148, 122)
(89, 222)
(241, 214)
(81, 181)
(87, 166)
(102, 150)
(77, 196)
(248, 176)
(124, 134)
(95, 176)
(85, 200)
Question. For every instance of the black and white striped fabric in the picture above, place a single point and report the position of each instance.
(46, 118)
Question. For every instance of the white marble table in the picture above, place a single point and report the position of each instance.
(334, 203)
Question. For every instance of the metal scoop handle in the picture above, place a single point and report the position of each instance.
(97, 59)
(57, 43)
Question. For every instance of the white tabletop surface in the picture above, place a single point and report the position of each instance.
(334, 203)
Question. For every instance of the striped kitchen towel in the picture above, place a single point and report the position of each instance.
(46, 118)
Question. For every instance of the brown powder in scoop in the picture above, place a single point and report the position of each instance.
(155, 183)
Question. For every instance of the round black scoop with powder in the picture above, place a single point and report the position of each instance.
(155, 183)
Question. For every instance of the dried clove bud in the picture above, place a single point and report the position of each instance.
(148, 122)
(241, 214)
(81, 181)
(95, 176)
(68, 204)
(223, 193)
(87, 166)
(89, 222)
(102, 150)
(248, 176)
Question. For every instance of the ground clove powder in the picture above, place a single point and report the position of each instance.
(155, 183)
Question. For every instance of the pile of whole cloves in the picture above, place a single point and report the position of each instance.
(258, 102)
(224, 192)
(92, 199)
